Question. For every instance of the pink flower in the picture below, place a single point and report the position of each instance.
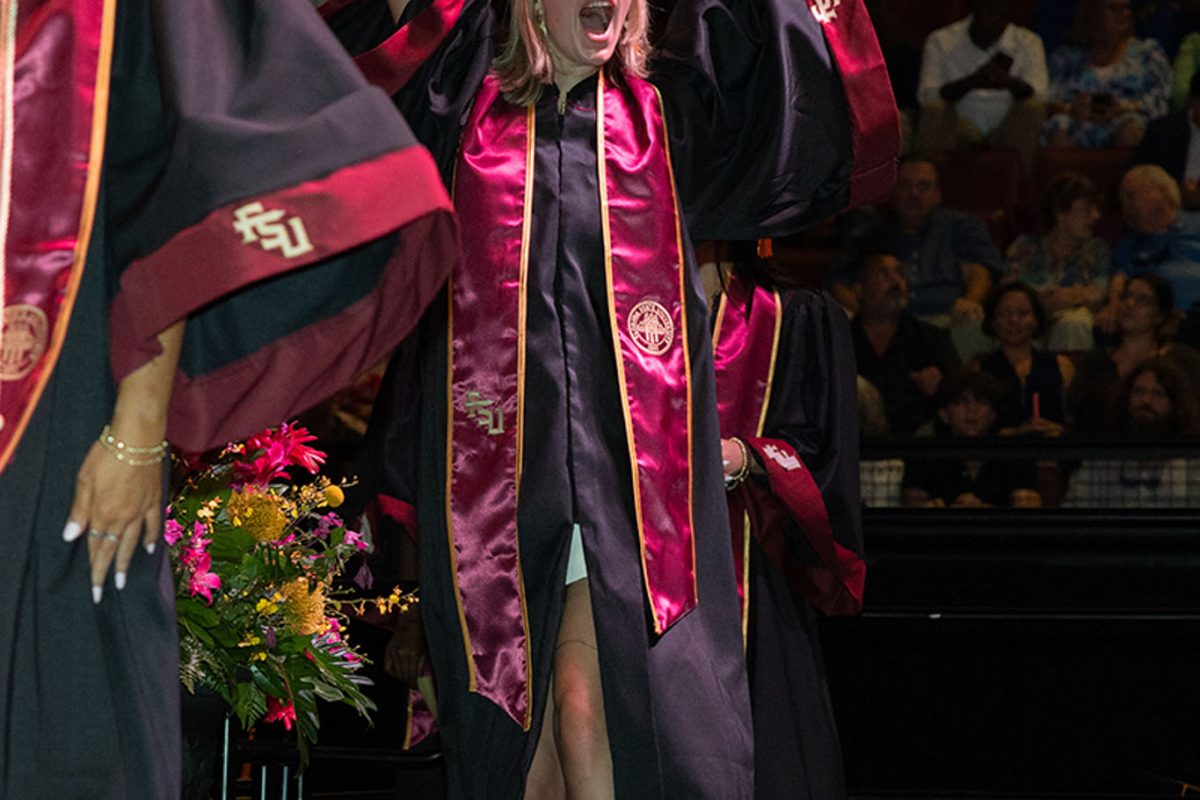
(196, 547)
(203, 581)
(276, 451)
(278, 711)
(327, 523)
(355, 538)
(172, 532)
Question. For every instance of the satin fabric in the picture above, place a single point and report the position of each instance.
(746, 349)
(809, 424)
(63, 44)
(645, 270)
(874, 120)
(644, 274)
(486, 343)
(745, 344)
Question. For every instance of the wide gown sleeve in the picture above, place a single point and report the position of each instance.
(780, 113)
(432, 62)
(251, 186)
(813, 411)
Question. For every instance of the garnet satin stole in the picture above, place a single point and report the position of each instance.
(646, 278)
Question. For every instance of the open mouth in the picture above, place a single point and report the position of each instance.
(595, 17)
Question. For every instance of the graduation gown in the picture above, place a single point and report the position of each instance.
(676, 703)
(797, 530)
(169, 160)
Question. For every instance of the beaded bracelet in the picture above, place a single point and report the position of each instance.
(732, 481)
(127, 453)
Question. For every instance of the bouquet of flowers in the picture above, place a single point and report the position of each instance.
(256, 558)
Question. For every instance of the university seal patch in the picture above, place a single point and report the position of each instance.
(651, 327)
(23, 340)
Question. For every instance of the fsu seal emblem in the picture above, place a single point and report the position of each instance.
(22, 341)
(651, 327)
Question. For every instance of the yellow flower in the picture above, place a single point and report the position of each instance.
(303, 610)
(257, 513)
(334, 496)
(266, 607)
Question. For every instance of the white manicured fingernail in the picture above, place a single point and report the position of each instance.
(150, 548)
(97, 591)
(119, 580)
(71, 531)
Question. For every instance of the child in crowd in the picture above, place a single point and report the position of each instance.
(968, 402)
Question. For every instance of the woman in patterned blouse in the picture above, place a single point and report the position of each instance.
(1104, 90)
(1068, 265)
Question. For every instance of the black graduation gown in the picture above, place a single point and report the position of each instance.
(813, 408)
(208, 108)
(677, 706)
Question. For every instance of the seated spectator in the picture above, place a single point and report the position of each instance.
(1035, 381)
(1105, 91)
(1187, 62)
(983, 80)
(969, 400)
(1173, 143)
(1068, 265)
(1146, 324)
(1155, 399)
(879, 478)
(948, 256)
(1159, 242)
(903, 357)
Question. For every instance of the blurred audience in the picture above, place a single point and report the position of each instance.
(1155, 399)
(948, 255)
(1159, 242)
(1187, 62)
(1067, 265)
(879, 478)
(983, 80)
(968, 409)
(1146, 324)
(901, 356)
(1035, 381)
(1106, 88)
(1173, 143)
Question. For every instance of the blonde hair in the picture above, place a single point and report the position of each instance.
(523, 64)
(1152, 175)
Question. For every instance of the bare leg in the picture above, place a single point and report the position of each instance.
(545, 779)
(579, 724)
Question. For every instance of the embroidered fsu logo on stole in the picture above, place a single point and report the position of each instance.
(486, 370)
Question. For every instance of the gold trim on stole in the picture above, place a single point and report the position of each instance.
(526, 235)
(687, 353)
(627, 413)
(8, 57)
(720, 314)
(762, 414)
(758, 432)
(618, 350)
(87, 217)
(522, 310)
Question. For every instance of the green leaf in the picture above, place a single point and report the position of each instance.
(268, 681)
(231, 545)
(196, 611)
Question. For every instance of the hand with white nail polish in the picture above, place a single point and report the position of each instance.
(118, 504)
